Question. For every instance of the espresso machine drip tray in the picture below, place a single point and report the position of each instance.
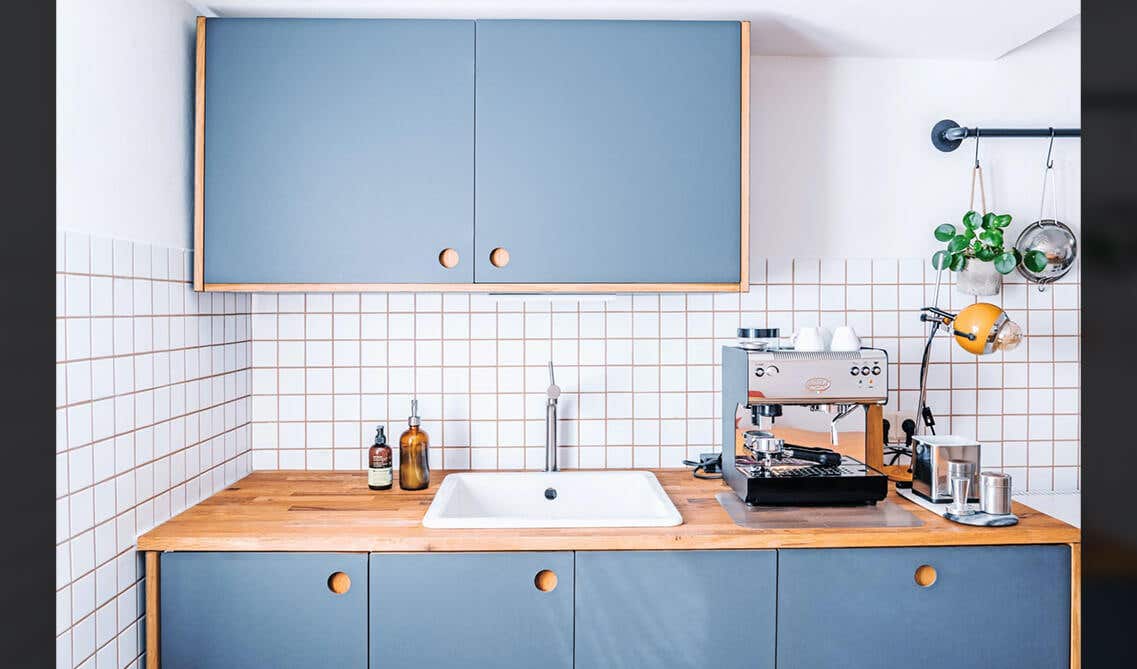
(793, 482)
(882, 514)
(795, 469)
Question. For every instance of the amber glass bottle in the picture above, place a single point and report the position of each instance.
(414, 466)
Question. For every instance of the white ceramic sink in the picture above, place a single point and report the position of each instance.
(579, 499)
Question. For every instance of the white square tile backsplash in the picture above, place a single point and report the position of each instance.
(639, 373)
(152, 416)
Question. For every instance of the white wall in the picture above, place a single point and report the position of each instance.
(841, 162)
(841, 158)
(125, 103)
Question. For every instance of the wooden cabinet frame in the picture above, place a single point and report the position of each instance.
(199, 283)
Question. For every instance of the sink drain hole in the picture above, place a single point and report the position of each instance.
(550, 493)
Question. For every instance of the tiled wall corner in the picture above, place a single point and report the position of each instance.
(639, 373)
(152, 415)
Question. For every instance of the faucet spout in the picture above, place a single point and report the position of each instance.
(553, 393)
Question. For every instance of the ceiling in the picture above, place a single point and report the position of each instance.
(962, 29)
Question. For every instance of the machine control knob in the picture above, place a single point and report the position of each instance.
(865, 370)
(876, 371)
(760, 372)
(771, 370)
(855, 371)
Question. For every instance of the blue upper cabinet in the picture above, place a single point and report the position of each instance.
(337, 151)
(610, 152)
(340, 154)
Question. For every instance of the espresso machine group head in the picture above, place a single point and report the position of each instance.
(761, 463)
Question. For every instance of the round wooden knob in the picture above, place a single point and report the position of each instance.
(545, 580)
(499, 257)
(448, 258)
(339, 583)
(925, 575)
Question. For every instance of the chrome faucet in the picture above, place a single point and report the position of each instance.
(552, 394)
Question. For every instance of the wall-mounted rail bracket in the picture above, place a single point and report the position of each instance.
(947, 135)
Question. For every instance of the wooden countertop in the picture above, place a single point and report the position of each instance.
(335, 511)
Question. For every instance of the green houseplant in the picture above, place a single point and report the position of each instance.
(978, 249)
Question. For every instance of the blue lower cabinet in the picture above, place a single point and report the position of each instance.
(675, 609)
(981, 606)
(263, 610)
(501, 610)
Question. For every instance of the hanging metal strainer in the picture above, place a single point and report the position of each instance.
(1048, 236)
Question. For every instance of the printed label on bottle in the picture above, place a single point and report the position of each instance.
(379, 477)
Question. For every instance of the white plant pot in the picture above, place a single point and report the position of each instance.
(978, 278)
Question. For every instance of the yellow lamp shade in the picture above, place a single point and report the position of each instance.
(992, 329)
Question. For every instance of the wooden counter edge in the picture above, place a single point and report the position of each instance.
(465, 543)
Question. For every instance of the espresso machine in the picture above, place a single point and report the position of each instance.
(790, 434)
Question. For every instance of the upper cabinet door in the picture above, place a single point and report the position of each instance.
(609, 152)
(337, 151)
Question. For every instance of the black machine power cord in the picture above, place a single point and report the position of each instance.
(710, 464)
(909, 429)
(896, 452)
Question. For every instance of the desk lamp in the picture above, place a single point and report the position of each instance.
(981, 328)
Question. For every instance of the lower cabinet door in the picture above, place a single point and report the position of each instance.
(981, 606)
(280, 610)
(672, 609)
(501, 610)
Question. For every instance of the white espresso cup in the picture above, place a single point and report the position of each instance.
(845, 339)
(809, 339)
(826, 336)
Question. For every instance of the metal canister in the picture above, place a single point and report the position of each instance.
(995, 493)
(758, 339)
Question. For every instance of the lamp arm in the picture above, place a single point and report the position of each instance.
(924, 365)
(940, 315)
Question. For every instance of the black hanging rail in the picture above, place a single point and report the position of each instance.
(947, 135)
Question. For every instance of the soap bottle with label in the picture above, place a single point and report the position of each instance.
(379, 462)
(414, 468)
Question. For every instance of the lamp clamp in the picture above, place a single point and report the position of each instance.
(938, 315)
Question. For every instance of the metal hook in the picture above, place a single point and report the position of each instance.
(1049, 162)
(977, 147)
